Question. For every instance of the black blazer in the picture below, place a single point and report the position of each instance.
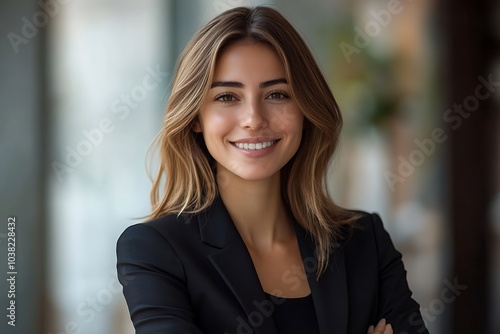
(193, 274)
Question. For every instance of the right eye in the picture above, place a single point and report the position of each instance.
(225, 97)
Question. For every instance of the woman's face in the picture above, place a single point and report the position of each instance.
(250, 124)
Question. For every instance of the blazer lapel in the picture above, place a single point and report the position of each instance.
(234, 264)
(330, 291)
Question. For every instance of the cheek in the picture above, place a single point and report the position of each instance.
(216, 124)
(287, 119)
(222, 120)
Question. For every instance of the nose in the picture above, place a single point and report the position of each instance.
(253, 116)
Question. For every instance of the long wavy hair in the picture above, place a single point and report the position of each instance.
(186, 179)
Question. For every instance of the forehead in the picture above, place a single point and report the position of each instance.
(248, 59)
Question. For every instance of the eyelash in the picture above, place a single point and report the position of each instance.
(220, 96)
(284, 95)
(223, 95)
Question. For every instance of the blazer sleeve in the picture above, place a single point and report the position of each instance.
(395, 302)
(153, 282)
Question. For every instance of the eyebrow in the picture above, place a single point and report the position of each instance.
(235, 84)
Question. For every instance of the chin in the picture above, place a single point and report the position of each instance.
(246, 176)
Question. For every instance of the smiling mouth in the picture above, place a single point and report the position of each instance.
(255, 146)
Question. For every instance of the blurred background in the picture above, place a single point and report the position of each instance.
(83, 86)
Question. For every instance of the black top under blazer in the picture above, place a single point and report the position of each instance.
(193, 274)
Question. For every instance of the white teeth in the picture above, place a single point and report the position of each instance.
(254, 146)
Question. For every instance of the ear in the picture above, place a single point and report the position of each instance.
(196, 127)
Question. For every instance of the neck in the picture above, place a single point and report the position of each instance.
(257, 210)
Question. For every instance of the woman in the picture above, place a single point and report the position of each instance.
(243, 237)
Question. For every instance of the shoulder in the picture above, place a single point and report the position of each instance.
(160, 232)
(366, 219)
(171, 224)
(157, 246)
(365, 222)
(367, 229)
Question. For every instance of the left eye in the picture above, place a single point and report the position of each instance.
(277, 96)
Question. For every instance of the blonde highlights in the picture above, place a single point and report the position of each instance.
(186, 182)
